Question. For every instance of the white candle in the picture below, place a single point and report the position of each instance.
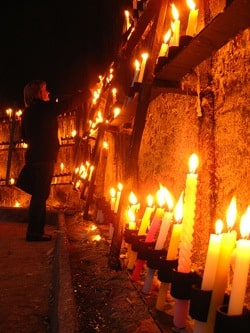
(184, 264)
(192, 19)
(143, 65)
(241, 268)
(136, 73)
(167, 219)
(164, 46)
(175, 27)
(131, 219)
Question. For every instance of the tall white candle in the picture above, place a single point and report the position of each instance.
(192, 19)
(241, 268)
(137, 71)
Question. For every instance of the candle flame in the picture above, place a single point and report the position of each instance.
(167, 36)
(231, 213)
(132, 198)
(96, 238)
(112, 192)
(120, 187)
(175, 12)
(168, 198)
(191, 4)
(17, 203)
(178, 210)
(114, 91)
(73, 133)
(105, 145)
(131, 215)
(137, 65)
(93, 227)
(245, 224)
(116, 112)
(160, 197)
(193, 163)
(150, 200)
(218, 226)
(144, 56)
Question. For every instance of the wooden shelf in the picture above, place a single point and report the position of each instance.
(224, 27)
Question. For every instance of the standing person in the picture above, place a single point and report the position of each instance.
(39, 129)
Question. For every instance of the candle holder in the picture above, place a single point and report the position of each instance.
(161, 61)
(173, 51)
(166, 268)
(129, 235)
(184, 41)
(199, 303)
(131, 91)
(144, 249)
(154, 258)
(137, 86)
(182, 284)
(231, 323)
(135, 241)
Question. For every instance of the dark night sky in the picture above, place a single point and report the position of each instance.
(67, 44)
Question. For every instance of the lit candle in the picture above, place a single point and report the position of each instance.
(143, 65)
(241, 268)
(156, 222)
(131, 219)
(164, 46)
(118, 197)
(136, 73)
(212, 258)
(192, 19)
(184, 262)
(228, 241)
(167, 219)
(114, 95)
(175, 27)
(134, 205)
(112, 198)
(145, 223)
(176, 232)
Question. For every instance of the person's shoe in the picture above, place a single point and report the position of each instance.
(38, 238)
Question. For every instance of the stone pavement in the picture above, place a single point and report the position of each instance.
(35, 281)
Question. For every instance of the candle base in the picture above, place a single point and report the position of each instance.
(129, 234)
(161, 61)
(165, 271)
(185, 40)
(182, 284)
(154, 257)
(231, 323)
(144, 248)
(199, 303)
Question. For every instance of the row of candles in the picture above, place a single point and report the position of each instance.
(223, 248)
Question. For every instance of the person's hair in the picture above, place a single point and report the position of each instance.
(31, 91)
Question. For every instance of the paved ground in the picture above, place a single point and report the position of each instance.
(33, 278)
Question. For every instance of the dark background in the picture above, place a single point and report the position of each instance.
(67, 44)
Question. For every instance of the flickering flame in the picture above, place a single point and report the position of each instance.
(17, 203)
(120, 187)
(178, 210)
(116, 112)
(218, 226)
(132, 198)
(150, 200)
(131, 215)
(167, 197)
(93, 227)
(105, 145)
(245, 224)
(144, 56)
(112, 192)
(160, 197)
(175, 12)
(73, 133)
(231, 214)
(12, 181)
(114, 91)
(96, 238)
(19, 113)
(191, 4)
(78, 184)
(167, 36)
(137, 65)
(9, 112)
(62, 167)
(193, 163)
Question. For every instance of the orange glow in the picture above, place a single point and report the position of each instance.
(231, 214)
(116, 112)
(218, 226)
(193, 163)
